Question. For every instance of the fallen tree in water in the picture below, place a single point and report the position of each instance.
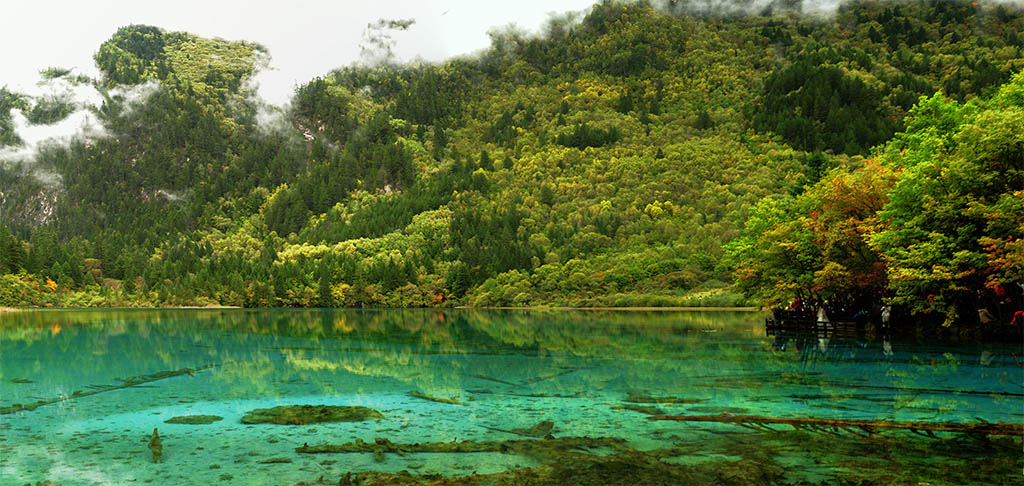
(580, 461)
(424, 396)
(542, 429)
(861, 428)
(132, 382)
(309, 414)
(533, 447)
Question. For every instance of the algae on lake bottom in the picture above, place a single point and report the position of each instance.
(309, 414)
(194, 419)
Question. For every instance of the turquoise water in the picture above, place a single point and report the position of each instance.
(82, 391)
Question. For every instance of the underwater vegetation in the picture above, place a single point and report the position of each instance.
(309, 414)
(194, 419)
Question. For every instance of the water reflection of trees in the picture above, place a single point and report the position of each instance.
(425, 348)
(937, 379)
(721, 356)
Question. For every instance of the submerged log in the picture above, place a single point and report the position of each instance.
(381, 445)
(310, 414)
(133, 382)
(856, 427)
(530, 395)
(194, 419)
(647, 409)
(572, 469)
(542, 429)
(424, 396)
(634, 397)
(539, 379)
(489, 378)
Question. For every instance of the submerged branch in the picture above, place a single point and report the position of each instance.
(542, 429)
(424, 396)
(539, 379)
(869, 427)
(496, 380)
(381, 445)
(132, 382)
(530, 395)
(647, 409)
(638, 398)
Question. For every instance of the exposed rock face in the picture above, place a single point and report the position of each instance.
(194, 419)
(309, 414)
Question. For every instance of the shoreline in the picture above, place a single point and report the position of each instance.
(635, 309)
(184, 307)
(192, 307)
(521, 308)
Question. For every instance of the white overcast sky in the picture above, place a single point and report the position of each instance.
(306, 38)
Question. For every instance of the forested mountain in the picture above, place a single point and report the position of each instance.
(610, 161)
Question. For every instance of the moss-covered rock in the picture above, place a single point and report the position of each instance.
(309, 414)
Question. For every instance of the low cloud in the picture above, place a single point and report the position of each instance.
(378, 45)
(270, 119)
(732, 8)
(83, 122)
(168, 195)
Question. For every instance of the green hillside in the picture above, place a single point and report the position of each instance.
(611, 162)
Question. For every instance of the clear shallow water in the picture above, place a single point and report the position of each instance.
(507, 370)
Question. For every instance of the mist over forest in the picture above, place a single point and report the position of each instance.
(675, 153)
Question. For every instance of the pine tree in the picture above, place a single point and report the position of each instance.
(440, 142)
(485, 161)
(325, 299)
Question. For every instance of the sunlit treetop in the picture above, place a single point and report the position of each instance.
(138, 53)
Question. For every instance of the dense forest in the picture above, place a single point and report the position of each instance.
(638, 156)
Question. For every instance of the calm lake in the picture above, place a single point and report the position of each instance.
(566, 397)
